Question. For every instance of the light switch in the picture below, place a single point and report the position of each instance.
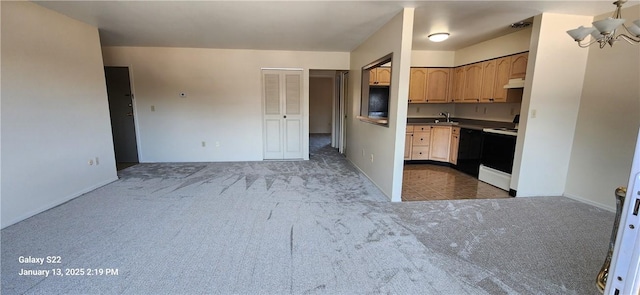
(153, 108)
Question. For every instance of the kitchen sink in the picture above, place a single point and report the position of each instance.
(445, 123)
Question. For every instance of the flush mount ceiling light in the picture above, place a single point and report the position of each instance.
(605, 30)
(438, 37)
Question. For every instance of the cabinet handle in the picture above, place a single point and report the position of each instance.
(285, 116)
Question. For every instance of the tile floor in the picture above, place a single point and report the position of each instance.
(423, 182)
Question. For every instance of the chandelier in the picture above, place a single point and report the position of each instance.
(604, 31)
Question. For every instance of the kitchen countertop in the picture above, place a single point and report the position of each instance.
(462, 123)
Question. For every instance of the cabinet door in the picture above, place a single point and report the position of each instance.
(458, 83)
(503, 70)
(408, 140)
(437, 85)
(488, 81)
(383, 76)
(519, 65)
(417, 85)
(472, 82)
(455, 143)
(440, 143)
(372, 76)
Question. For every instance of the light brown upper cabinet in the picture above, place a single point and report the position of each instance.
(438, 85)
(503, 71)
(519, 65)
(417, 85)
(380, 76)
(488, 81)
(430, 85)
(472, 82)
(458, 84)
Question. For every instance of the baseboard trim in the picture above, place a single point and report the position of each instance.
(592, 203)
(58, 202)
(367, 176)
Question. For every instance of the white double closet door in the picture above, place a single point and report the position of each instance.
(282, 95)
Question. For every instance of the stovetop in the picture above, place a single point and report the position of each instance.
(502, 130)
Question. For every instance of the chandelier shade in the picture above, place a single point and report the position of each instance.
(604, 32)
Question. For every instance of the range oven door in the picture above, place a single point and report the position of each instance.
(498, 151)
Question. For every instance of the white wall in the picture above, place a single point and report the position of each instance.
(223, 103)
(502, 112)
(515, 42)
(553, 86)
(432, 58)
(55, 114)
(386, 144)
(608, 121)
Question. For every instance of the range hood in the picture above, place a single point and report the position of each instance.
(515, 83)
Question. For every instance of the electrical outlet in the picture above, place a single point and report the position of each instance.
(417, 109)
(91, 162)
(534, 113)
(153, 108)
(513, 111)
(485, 110)
(217, 144)
(204, 143)
(371, 158)
(476, 109)
(97, 161)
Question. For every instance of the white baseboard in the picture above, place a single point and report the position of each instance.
(367, 176)
(58, 202)
(592, 203)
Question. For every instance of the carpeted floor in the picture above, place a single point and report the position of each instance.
(300, 227)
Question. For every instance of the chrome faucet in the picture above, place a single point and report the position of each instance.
(446, 115)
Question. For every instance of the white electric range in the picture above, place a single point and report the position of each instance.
(496, 162)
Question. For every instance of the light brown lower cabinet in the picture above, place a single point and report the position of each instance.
(440, 143)
(420, 142)
(455, 143)
(408, 137)
(428, 142)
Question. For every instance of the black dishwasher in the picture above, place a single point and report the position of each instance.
(469, 151)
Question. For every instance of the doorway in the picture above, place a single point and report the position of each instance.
(327, 107)
(121, 110)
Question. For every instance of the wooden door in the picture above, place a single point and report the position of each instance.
(282, 94)
(437, 85)
(503, 70)
(455, 144)
(472, 82)
(408, 138)
(458, 84)
(417, 85)
(519, 65)
(122, 115)
(488, 81)
(383, 76)
(440, 143)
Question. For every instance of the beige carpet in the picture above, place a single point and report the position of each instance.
(301, 227)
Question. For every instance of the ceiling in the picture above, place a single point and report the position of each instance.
(305, 25)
